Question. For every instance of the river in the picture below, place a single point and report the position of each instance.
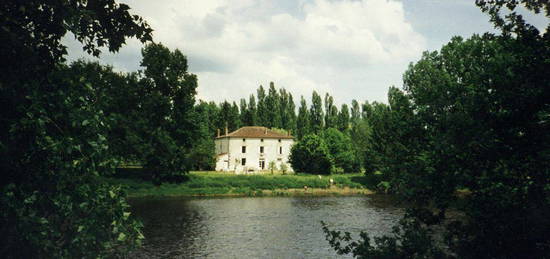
(259, 227)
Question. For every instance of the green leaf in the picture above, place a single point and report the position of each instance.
(121, 236)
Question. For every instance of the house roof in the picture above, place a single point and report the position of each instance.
(256, 132)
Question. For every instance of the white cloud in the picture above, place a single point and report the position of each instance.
(351, 49)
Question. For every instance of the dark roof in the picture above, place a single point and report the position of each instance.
(256, 132)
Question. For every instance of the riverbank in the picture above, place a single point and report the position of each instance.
(225, 184)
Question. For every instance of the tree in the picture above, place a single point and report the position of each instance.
(262, 108)
(244, 112)
(355, 112)
(209, 111)
(474, 115)
(361, 135)
(251, 117)
(341, 150)
(272, 166)
(330, 112)
(202, 156)
(311, 155)
(316, 113)
(302, 123)
(168, 106)
(291, 114)
(343, 118)
(235, 121)
(272, 106)
(53, 136)
(287, 110)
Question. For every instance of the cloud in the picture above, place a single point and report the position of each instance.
(351, 49)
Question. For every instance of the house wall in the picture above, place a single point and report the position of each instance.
(221, 162)
(222, 145)
(253, 155)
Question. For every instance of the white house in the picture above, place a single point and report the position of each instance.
(251, 149)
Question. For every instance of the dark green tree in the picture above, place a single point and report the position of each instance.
(234, 121)
(302, 123)
(202, 156)
(341, 150)
(168, 106)
(482, 107)
(343, 118)
(316, 113)
(355, 112)
(311, 155)
(272, 108)
(283, 108)
(331, 112)
(262, 108)
(53, 134)
(251, 118)
(291, 114)
(243, 107)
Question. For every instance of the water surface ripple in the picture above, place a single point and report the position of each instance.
(264, 227)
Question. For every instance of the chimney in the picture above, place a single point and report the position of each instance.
(265, 130)
(226, 130)
(218, 133)
(289, 132)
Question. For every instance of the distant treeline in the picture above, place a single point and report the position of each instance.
(276, 109)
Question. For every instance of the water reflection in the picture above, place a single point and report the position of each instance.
(270, 227)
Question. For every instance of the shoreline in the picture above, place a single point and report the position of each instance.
(291, 192)
(215, 184)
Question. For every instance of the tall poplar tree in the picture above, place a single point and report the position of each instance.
(330, 112)
(234, 122)
(355, 112)
(261, 111)
(283, 105)
(251, 117)
(302, 123)
(343, 118)
(291, 111)
(316, 113)
(243, 112)
(272, 103)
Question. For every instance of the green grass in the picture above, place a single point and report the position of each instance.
(215, 183)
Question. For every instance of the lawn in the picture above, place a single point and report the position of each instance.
(228, 184)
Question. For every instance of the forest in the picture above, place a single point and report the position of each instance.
(472, 116)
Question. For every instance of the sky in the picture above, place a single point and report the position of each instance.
(352, 49)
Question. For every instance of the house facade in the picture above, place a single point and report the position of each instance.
(251, 149)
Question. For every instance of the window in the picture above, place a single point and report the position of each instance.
(243, 161)
(262, 140)
(261, 149)
(244, 139)
(280, 150)
(243, 149)
(279, 140)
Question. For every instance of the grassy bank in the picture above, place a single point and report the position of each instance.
(224, 184)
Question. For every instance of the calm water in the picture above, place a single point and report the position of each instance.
(270, 227)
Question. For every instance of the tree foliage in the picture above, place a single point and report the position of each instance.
(311, 155)
(473, 116)
(341, 150)
(53, 141)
